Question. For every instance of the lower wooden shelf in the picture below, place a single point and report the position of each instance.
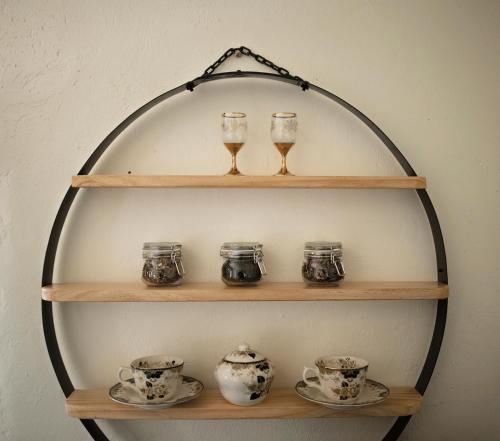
(210, 405)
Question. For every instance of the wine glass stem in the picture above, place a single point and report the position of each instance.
(283, 170)
(233, 163)
(234, 169)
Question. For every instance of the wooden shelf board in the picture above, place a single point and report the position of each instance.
(113, 181)
(217, 291)
(281, 403)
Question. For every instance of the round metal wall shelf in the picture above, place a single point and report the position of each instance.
(209, 75)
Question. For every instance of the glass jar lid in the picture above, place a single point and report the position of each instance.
(159, 249)
(241, 249)
(244, 354)
(323, 248)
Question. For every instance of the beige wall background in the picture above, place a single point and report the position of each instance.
(427, 72)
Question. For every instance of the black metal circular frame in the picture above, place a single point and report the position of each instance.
(50, 255)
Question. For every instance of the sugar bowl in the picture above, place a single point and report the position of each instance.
(244, 376)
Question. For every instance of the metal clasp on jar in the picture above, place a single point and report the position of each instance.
(339, 265)
(258, 259)
(178, 263)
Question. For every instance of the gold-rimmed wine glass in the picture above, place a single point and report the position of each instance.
(234, 135)
(283, 134)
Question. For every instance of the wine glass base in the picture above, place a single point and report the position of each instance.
(285, 173)
(233, 172)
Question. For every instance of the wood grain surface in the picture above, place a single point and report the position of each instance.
(217, 292)
(281, 403)
(114, 181)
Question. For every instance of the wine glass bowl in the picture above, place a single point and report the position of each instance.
(283, 135)
(234, 135)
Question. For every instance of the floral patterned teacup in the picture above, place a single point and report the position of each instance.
(156, 378)
(340, 378)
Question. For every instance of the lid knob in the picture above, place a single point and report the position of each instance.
(243, 347)
(244, 354)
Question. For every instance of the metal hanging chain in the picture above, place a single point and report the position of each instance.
(242, 50)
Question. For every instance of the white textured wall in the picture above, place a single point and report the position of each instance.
(427, 72)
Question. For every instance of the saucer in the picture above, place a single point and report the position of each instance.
(189, 390)
(372, 393)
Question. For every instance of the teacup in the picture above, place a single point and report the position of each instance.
(340, 378)
(156, 378)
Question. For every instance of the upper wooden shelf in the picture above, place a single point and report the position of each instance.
(281, 403)
(213, 292)
(114, 181)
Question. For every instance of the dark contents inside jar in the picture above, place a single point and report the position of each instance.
(160, 270)
(320, 270)
(240, 271)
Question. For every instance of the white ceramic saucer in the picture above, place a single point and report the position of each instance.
(372, 393)
(189, 390)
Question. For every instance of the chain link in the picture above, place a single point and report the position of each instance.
(221, 60)
(259, 58)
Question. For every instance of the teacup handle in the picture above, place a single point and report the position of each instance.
(309, 382)
(126, 383)
(120, 372)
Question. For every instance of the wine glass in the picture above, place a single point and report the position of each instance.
(234, 135)
(283, 134)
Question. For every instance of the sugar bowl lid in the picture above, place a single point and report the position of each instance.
(244, 354)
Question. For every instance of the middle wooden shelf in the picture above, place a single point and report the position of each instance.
(218, 292)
